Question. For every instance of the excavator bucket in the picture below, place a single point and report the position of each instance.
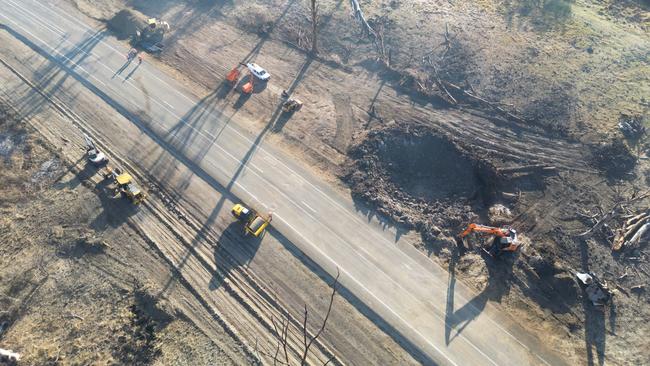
(233, 75)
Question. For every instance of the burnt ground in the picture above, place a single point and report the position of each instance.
(415, 175)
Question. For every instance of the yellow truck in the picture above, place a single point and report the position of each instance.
(254, 223)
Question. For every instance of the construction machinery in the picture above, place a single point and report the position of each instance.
(95, 156)
(249, 86)
(290, 104)
(596, 290)
(125, 185)
(255, 72)
(151, 36)
(233, 77)
(254, 223)
(505, 238)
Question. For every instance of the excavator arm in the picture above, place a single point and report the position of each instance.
(484, 229)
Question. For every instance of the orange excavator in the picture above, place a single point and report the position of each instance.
(505, 239)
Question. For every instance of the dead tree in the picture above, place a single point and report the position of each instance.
(314, 26)
(615, 211)
(307, 344)
(280, 355)
(358, 15)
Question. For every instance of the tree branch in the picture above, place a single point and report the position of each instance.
(327, 315)
(613, 212)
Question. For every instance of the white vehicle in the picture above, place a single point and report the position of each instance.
(94, 155)
(258, 71)
(97, 157)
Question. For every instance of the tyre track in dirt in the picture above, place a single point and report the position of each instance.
(242, 296)
(499, 139)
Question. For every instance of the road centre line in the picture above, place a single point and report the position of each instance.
(309, 207)
(256, 167)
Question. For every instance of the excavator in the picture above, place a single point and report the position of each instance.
(151, 36)
(290, 104)
(505, 238)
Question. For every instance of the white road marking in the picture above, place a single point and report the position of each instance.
(309, 207)
(211, 135)
(170, 106)
(247, 191)
(256, 167)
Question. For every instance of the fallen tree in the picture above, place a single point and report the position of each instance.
(358, 15)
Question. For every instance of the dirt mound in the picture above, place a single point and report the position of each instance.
(419, 178)
(125, 23)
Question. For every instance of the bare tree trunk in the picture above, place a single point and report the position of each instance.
(358, 15)
(281, 328)
(303, 360)
(314, 27)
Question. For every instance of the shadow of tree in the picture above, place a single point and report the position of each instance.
(498, 285)
(543, 14)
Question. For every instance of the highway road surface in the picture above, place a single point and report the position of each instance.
(389, 276)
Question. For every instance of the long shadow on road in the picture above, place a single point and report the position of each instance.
(499, 272)
(52, 77)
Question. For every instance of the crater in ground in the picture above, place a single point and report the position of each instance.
(428, 167)
(419, 178)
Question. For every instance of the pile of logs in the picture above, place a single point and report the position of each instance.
(634, 232)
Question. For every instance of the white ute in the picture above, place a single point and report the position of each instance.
(258, 71)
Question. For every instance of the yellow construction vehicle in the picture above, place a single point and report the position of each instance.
(125, 185)
(289, 104)
(505, 239)
(150, 37)
(254, 223)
